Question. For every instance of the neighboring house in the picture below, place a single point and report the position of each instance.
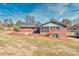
(76, 33)
(25, 28)
(52, 29)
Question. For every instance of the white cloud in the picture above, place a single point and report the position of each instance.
(48, 11)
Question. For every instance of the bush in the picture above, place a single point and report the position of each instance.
(17, 29)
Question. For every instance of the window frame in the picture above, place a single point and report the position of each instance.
(44, 29)
(56, 27)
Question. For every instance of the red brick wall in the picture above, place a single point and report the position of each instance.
(26, 30)
(62, 33)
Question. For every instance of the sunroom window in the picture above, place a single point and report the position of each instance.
(44, 29)
(56, 27)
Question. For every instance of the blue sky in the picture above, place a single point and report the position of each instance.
(42, 11)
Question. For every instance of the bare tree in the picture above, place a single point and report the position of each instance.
(8, 22)
(30, 20)
(67, 22)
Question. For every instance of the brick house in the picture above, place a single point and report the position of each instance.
(52, 29)
(27, 29)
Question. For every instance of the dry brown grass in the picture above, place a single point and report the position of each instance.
(37, 46)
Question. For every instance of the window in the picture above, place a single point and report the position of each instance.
(44, 29)
(56, 27)
(55, 35)
(51, 28)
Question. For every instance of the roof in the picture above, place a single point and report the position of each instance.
(25, 25)
(54, 22)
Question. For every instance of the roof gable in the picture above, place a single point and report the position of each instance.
(54, 22)
(50, 24)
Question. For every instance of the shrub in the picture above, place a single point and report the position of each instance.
(16, 28)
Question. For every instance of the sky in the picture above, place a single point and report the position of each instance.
(41, 11)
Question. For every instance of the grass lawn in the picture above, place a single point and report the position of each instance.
(37, 46)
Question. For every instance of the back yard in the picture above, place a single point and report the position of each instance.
(37, 46)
